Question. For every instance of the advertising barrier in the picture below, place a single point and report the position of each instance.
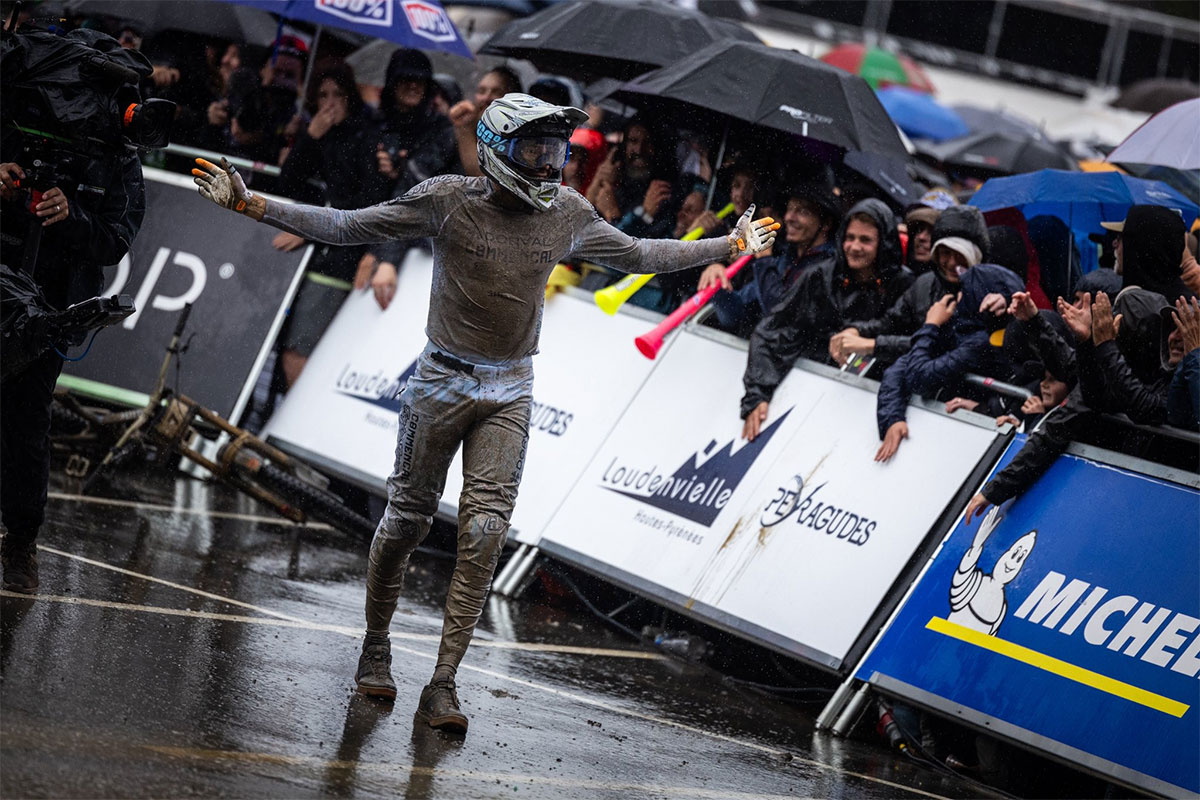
(190, 251)
(793, 539)
(342, 414)
(1068, 620)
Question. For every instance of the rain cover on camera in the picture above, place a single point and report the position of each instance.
(24, 321)
(48, 77)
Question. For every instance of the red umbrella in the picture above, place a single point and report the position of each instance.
(879, 67)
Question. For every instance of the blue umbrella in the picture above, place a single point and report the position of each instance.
(422, 24)
(1082, 200)
(920, 116)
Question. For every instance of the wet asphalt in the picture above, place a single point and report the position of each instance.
(186, 643)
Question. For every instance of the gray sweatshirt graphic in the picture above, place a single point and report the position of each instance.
(490, 264)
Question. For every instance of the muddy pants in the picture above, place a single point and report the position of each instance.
(448, 402)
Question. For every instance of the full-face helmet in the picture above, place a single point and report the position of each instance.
(518, 138)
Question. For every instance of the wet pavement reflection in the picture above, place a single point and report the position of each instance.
(186, 643)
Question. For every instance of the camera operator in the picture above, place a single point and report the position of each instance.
(90, 209)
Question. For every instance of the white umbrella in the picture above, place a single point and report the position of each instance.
(1170, 138)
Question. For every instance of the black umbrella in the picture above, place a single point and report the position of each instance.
(1155, 94)
(773, 88)
(980, 120)
(889, 174)
(588, 40)
(204, 17)
(1001, 153)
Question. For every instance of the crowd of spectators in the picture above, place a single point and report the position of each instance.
(928, 299)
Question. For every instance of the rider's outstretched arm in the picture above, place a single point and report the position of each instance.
(597, 241)
(411, 216)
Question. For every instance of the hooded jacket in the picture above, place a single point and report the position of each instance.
(893, 331)
(739, 310)
(963, 222)
(1130, 374)
(942, 355)
(822, 301)
(426, 135)
(1152, 248)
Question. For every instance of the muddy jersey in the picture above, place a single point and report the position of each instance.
(491, 264)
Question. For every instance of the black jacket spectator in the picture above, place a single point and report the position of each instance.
(1151, 244)
(1128, 376)
(820, 304)
(942, 355)
(419, 140)
(893, 330)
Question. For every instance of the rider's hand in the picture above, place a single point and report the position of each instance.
(224, 186)
(751, 237)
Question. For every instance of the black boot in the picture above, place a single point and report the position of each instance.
(374, 676)
(18, 557)
(439, 707)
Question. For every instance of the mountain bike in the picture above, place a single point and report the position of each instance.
(172, 424)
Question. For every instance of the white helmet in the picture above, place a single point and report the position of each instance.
(518, 134)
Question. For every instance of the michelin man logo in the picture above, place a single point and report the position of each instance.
(977, 601)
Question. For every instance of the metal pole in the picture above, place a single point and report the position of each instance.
(995, 28)
(500, 585)
(712, 186)
(846, 721)
(835, 705)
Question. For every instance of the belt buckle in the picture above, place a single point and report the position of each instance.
(452, 362)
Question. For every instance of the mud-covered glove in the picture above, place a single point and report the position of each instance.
(751, 237)
(224, 186)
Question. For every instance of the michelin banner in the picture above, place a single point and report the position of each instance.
(343, 410)
(190, 251)
(793, 539)
(1069, 621)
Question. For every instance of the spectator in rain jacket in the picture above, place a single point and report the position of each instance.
(1148, 250)
(337, 146)
(811, 215)
(863, 281)
(416, 143)
(941, 355)
(1128, 372)
(960, 241)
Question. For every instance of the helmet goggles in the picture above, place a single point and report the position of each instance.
(537, 152)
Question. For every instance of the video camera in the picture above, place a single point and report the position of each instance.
(70, 99)
(30, 327)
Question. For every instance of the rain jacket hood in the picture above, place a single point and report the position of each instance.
(1153, 248)
(978, 282)
(1145, 325)
(890, 256)
(1099, 280)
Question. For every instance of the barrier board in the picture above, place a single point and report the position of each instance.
(190, 251)
(343, 411)
(794, 539)
(1068, 621)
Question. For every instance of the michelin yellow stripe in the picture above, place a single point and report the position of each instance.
(1061, 668)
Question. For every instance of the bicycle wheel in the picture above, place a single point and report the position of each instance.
(314, 501)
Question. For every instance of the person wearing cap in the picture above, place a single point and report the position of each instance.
(960, 240)
(811, 216)
(919, 222)
(496, 240)
(1147, 248)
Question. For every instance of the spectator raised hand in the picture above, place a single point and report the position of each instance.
(1104, 325)
(1078, 317)
(1187, 322)
(1022, 306)
(940, 312)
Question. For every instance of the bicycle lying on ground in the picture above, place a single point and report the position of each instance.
(173, 424)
